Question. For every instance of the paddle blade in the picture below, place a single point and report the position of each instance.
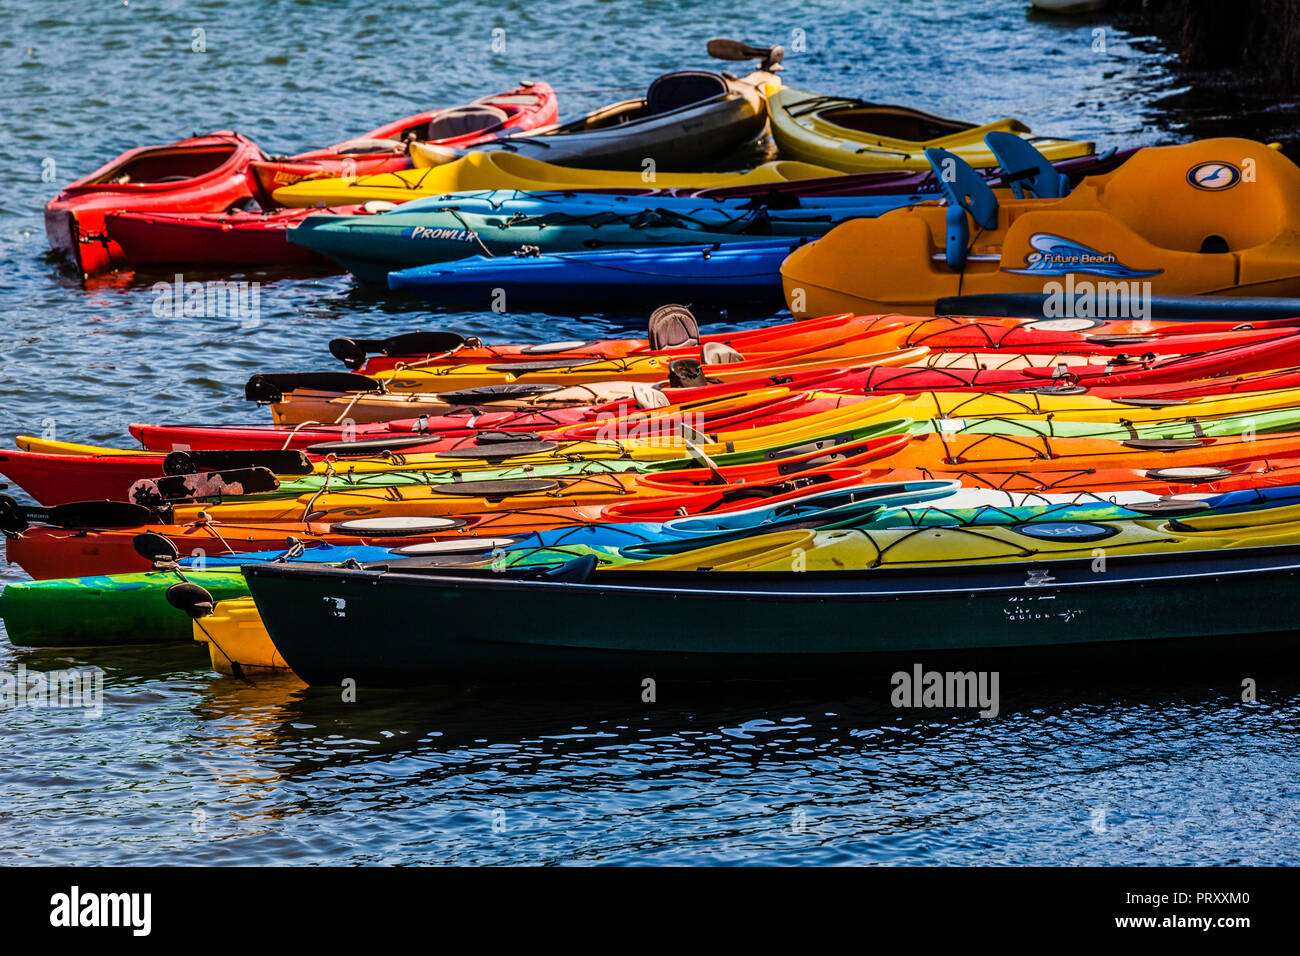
(272, 386)
(98, 514)
(155, 548)
(194, 600)
(12, 519)
(155, 492)
(721, 48)
(288, 462)
(353, 352)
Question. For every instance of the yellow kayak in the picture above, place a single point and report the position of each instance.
(503, 170)
(237, 640)
(854, 136)
(661, 447)
(1086, 408)
(856, 550)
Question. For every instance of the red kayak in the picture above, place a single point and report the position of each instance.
(384, 149)
(201, 174)
(54, 479)
(1206, 373)
(105, 546)
(214, 239)
(942, 333)
(49, 552)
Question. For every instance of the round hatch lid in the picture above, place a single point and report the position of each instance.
(453, 546)
(396, 526)
(1191, 474)
(546, 348)
(1066, 530)
(502, 488)
(486, 394)
(505, 449)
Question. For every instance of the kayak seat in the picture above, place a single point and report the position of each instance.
(686, 373)
(965, 192)
(673, 327)
(715, 353)
(672, 91)
(463, 120)
(1025, 169)
(647, 396)
(360, 147)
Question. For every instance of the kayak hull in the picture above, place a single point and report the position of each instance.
(200, 174)
(628, 135)
(1145, 229)
(104, 610)
(505, 170)
(740, 277)
(386, 148)
(391, 628)
(857, 137)
(153, 239)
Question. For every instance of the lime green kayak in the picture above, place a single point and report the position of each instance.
(106, 609)
(1259, 423)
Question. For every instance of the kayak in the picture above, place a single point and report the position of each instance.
(199, 174)
(58, 473)
(54, 551)
(507, 222)
(874, 347)
(297, 402)
(505, 170)
(896, 181)
(385, 148)
(143, 615)
(851, 549)
(105, 609)
(857, 136)
(902, 371)
(776, 403)
(1158, 219)
(103, 543)
(956, 333)
(687, 120)
(236, 641)
(233, 237)
(502, 628)
(745, 409)
(738, 278)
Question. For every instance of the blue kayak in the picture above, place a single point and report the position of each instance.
(504, 222)
(740, 278)
(867, 507)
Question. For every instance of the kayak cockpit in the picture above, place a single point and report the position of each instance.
(167, 165)
(893, 122)
(670, 92)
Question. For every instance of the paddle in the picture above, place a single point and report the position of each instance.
(193, 599)
(155, 548)
(368, 447)
(488, 394)
(353, 352)
(721, 48)
(15, 518)
(272, 386)
(277, 462)
(156, 492)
